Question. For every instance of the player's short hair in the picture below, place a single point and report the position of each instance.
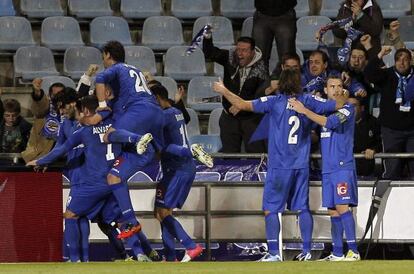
(69, 96)
(290, 82)
(400, 52)
(12, 105)
(160, 91)
(325, 57)
(90, 102)
(337, 77)
(249, 40)
(290, 56)
(116, 50)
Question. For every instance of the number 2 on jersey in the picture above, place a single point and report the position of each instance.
(109, 154)
(293, 136)
(140, 84)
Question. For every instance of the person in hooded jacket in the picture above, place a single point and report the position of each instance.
(245, 74)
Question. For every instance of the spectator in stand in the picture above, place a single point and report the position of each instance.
(316, 70)
(289, 61)
(245, 75)
(14, 129)
(275, 20)
(366, 17)
(367, 138)
(396, 114)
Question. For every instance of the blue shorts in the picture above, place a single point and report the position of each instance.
(84, 199)
(173, 188)
(339, 188)
(283, 186)
(143, 117)
(128, 163)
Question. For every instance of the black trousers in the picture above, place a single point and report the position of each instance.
(282, 28)
(395, 141)
(234, 131)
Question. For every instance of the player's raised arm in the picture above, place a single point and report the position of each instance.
(235, 100)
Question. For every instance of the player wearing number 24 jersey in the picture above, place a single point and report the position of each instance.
(288, 164)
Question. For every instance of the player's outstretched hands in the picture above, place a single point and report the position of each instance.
(297, 105)
(219, 87)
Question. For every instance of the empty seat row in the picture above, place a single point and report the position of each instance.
(60, 32)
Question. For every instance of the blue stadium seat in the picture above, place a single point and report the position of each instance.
(395, 8)
(218, 70)
(141, 57)
(213, 121)
(41, 8)
(237, 8)
(191, 9)
(233, 176)
(302, 8)
(139, 9)
(7, 8)
(61, 32)
(140, 177)
(200, 95)
(34, 62)
(9, 27)
(330, 8)
(89, 8)
(247, 27)
(193, 127)
(407, 30)
(206, 176)
(107, 28)
(47, 81)
(77, 60)
(307, 27)
(169, 83)
(183, 67)
(222, 29)
(210, 143)
(162, 32)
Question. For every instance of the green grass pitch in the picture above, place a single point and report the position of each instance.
(363, 267)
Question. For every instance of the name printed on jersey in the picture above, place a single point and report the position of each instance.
(101, 129)
(320, 99)
(263, 99)
(325, 133)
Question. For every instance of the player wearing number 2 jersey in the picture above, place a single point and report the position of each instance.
(288, 152)
(135, 110)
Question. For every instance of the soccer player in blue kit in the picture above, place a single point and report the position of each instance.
(287, 179)
(339, 184)
(134, 110)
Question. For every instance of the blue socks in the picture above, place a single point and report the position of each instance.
(123, 136)
(72, 239)
(272, 233)
(178, 232)
(348, 223)
(146, 246)
(337, 232)
(306, 229)
(121, 194)
(169, 244)
(84, 236)
(178, 150)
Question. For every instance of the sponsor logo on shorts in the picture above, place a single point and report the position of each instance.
(342, 189)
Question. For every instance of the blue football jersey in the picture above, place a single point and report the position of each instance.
(175, 132)
(337, 140)
(290, 132)
(128, 85)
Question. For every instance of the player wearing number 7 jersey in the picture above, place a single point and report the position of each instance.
(134, 110)
(288, 156)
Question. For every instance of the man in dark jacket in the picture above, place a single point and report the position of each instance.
(245, 75)
(396, 111)
(366, 17)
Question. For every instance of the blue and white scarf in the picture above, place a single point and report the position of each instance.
(198, 39)
(405, 105)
